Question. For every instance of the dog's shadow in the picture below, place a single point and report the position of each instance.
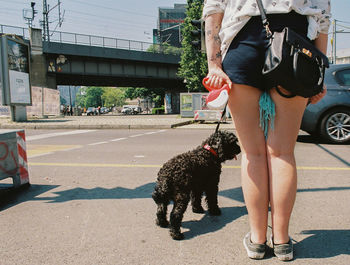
(209, 224)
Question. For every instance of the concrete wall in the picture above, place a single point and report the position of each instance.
(38, 73)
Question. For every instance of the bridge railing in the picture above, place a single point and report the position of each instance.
(23, 32)
(93, 40)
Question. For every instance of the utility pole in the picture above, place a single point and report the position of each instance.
(45, 22)
(335, 41)
(29, 14)
(46, 34)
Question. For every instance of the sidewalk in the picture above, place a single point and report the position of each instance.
(111, 122)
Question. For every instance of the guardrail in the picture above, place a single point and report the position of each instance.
(23, 32)
(98, 41)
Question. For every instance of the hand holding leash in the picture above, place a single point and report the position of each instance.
(218, 96)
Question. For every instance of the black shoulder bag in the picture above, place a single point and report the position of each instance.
(292, 62)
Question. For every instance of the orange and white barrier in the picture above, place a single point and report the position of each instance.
(13, 157)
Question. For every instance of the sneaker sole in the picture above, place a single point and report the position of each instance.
(252, 254)
(282, 257)
(285, 257)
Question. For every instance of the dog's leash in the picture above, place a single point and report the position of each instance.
(222, 116)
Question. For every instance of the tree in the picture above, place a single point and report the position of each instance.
(113, 96)
(156, 94)
(92, 97)
(164, 48)
(193, 64)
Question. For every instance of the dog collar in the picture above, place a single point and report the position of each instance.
(210, 149)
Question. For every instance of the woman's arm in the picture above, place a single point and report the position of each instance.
(212, 39)
(213, 45)
(320, 43)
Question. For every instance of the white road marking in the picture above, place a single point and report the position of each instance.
(118, 139)
(136, 135)
(48, 135)
(98, 143)
(70, 149)
(155, 132)
(150, 132)
(43, 154)
(139, 156)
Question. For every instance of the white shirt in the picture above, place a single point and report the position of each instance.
(238, 12)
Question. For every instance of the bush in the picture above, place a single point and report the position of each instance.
(160, 110)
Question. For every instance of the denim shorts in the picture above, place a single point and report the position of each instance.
(245, 57)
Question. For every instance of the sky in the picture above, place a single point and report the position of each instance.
(126, 19)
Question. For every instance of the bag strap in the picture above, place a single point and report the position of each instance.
(222, 116)
(264, 19)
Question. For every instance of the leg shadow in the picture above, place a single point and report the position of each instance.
(323, 244)
(209, 224)
(235, 194)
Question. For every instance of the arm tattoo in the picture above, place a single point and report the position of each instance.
(217, 39)
(218, 55)
(209, 32)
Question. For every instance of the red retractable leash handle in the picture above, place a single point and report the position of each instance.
(218, 96)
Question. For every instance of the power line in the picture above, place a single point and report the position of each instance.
(343, 26)
(107, 18)
(115, 9)
(347, 22)
(69, 21)
(14, 2)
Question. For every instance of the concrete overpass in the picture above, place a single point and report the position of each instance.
(74, 64)
(78, 59)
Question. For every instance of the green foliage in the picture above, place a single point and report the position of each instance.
(95, 96)
(164, 48)
(193, 64)
(156, 94)
(159, 110)
(113, 96)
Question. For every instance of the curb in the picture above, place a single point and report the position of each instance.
(92, 126)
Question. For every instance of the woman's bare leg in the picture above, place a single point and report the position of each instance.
(281, 162)
(244, 107)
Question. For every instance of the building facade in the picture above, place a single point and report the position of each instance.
(169, 21)
(343, 56)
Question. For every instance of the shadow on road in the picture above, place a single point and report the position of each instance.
(44, 121)
(209, 224)
(310, 139)
(98, 193)
(10, 197)
(235, 194)
(323, 244)
(314, 139)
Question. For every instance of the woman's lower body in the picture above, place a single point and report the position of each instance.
(269, 174)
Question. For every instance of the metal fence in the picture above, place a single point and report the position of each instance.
(98, 41)
(23, 32)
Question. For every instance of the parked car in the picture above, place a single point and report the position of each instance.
(330, 117)
(104, 110)
(91, 111)
(131, 109)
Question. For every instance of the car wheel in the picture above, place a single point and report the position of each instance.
(335, 126)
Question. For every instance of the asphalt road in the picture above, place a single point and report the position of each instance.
(90, 203)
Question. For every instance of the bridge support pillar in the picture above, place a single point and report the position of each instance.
(38, 74)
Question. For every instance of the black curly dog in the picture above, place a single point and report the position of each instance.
(188, 175)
